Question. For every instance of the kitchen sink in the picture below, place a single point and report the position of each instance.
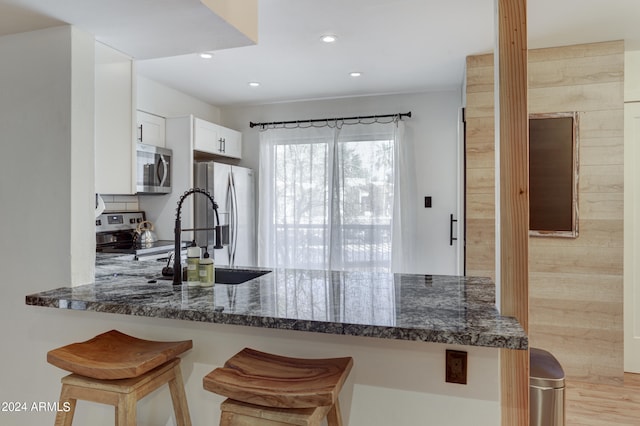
(230, 276)
(236, 276)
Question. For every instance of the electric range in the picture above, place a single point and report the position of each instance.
(116, 233)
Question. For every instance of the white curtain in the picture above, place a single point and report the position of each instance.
(336, 198)
(294, 198)
(404, 204)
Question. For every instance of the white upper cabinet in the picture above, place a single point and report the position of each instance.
(150, 129)
(214, 139)
(231, 142)
(115, 171)
(205, 136)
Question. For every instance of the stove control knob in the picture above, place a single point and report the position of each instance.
(132, 221)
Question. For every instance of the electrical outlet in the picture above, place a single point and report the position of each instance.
(427, 202)
(456, 368)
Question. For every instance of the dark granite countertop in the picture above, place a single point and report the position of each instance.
(429, 308)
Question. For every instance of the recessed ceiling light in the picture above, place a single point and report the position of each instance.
(355, 74)
(254, 84)
(206, 55)
(328, 38)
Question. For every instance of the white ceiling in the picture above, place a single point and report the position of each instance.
(398, 45)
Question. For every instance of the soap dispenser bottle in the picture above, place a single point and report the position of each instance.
(206, 269)
(193, 263)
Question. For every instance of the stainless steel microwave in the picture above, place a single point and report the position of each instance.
(153, 168)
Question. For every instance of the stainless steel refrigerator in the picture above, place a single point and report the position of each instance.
(232, 188)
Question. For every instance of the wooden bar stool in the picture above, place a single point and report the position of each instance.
(266, 389)
(116, 369)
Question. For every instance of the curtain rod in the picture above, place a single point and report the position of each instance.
(315, 120)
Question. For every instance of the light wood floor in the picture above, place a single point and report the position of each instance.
(589, 404)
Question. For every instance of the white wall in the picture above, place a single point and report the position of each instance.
(82, 182)
(46, 167)
(632, 76)
(158, 99)
(432, 132)
(631, 211)
(46, 125)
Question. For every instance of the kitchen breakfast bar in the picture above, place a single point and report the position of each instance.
(395, 326)
(429, 308)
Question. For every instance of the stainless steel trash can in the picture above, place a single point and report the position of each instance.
(546, 389)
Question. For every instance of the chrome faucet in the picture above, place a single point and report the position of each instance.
(177, 259)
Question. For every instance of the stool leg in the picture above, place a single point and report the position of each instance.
(179, 398)
(126, 410)
(226, 419)
(334, 418)
(65, 418)
(235, 419)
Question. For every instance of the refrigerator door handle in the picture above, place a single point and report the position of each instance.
(229, 208)
(234, 214)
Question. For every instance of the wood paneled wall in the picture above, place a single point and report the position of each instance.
(575, 285)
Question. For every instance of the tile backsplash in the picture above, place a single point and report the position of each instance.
(120, 202)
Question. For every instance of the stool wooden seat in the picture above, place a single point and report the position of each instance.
(116, 369)
(275, 390)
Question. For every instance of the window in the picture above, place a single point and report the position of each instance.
(329, 200)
